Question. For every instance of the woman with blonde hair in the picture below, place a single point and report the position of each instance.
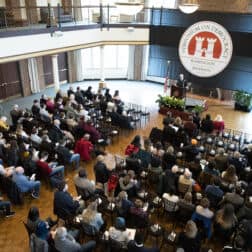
(92, 217)
(218, 123)
(189, 240)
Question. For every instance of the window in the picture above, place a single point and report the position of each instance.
(116, 59)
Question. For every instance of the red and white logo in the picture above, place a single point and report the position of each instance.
(205, 49)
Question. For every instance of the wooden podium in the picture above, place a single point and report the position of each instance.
(178, 92)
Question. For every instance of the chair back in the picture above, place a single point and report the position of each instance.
(28, 230)
(115, 246)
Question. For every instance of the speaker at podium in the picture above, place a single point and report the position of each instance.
(178, 91)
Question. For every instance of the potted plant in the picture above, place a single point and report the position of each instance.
(198, 109)
(243, 101)
(170, 102)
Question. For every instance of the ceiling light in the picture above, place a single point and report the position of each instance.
(189, 6)
(129, 7)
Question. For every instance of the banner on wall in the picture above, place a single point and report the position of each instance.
(205, 49)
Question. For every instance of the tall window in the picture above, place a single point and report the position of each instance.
(116, 60)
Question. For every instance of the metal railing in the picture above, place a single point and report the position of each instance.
(39, 17)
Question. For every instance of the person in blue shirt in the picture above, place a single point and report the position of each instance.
(25, 184)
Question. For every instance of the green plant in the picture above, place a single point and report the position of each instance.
(243, 98)
(170, 102)
(198, 109)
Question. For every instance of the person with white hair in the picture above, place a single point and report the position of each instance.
(15, 113)
(101, 171)
(24, 184)
(65, 242)
(185, 182)
(219, 124)
(3, 123)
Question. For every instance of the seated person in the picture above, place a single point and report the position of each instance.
(83, 182)
(3, 124)
(138, 209)
(207, 125)
(84, 147)
(233, 198)
(225, 221)
(127, 184)
(221, 160)
(119, 233)
(191, 151)
(134, 146)
(229, 175)
(169, 158)
(210, 168)
(170, 201)
(95, 135)
(123, 204)
(189, 240)
(50, 169)
(6, 206)
(6, 172)
(24, 184)
(67, 156)
(65, 242)
(185, 182)
(203, 209)
(64, 204)
(138, 244)
(186, 205)
(213, 191)
(218, 124)
(35, 137)
(35, 108)
(101, 172)
(92, 217)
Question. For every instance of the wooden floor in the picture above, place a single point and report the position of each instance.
(13, 236)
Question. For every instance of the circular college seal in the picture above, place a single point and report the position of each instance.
(205, 49)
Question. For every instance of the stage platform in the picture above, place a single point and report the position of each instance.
(190, 103)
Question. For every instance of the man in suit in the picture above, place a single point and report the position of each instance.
(138, 246)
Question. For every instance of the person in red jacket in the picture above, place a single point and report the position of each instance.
(134, 146)
(52, 170)
(84, 147)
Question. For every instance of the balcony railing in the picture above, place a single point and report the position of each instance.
(40, 17)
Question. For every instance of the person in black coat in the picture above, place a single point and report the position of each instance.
(35, 109)
(207, 125)
(189, 240)
(55, 133)
(138, 246)
(64, 204)
(101, 171)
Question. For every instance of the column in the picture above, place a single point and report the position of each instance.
(131, 65)
(55, 69)
(34, 75)
(102, 73)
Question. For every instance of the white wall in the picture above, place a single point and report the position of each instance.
(15, 48)
(2, 3)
